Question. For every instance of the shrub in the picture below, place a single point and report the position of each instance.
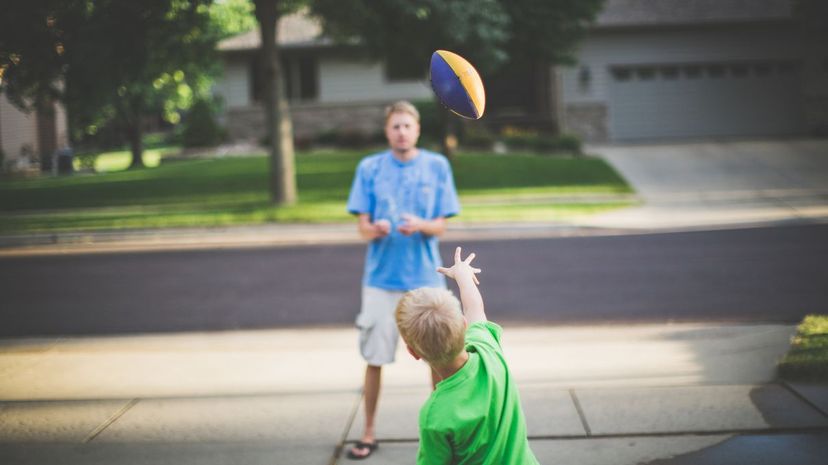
(200, 126)
(352, 138)
(477, 137)
(568, 143)
(542, 143)
(86, 160)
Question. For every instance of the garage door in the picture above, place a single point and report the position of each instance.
(705, 99)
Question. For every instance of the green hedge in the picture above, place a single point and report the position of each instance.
(200, 128)
(807, 358)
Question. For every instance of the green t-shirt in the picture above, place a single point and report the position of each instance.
(474, 416)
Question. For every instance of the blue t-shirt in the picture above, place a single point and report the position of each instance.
(386, 188)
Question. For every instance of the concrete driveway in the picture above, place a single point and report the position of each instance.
(720, 184)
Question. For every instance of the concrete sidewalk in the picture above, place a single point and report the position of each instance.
(592, 395)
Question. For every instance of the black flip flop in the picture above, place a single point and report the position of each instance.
(371, 446)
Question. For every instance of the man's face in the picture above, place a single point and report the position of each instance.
(402, 132)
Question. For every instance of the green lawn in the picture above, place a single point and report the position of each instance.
(229, 191)
(808, 357)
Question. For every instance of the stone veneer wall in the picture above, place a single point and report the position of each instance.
(309, 119)
(587, 120)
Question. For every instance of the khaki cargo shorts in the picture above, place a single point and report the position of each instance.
(378, 334)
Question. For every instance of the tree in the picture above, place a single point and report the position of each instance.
(531, 34)
(108, 60)
(404, 34)
(279, 130)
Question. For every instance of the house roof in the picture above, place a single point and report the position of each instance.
(628, 13)
(293, 30)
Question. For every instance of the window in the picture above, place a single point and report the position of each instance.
(669, 72)
(645, 73)
(621, 74)
(300, 79)
(404, 69)
(739, 70)
(584, 79)
(762, 69)
(786, 67)
(716, 70)
(692, 71)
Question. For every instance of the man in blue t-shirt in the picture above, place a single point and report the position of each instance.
(402, 198)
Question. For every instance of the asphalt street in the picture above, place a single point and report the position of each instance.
(747, 275)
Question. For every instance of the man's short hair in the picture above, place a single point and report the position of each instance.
(431, 322)
(403, 106)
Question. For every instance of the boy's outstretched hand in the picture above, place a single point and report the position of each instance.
(466, 277)
(461, 268)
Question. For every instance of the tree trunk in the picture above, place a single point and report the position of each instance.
(46, 134)
(277, 115)
(135, 134)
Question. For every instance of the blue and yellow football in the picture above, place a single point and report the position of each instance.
(457, 84)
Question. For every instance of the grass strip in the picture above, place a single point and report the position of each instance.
(233, 191)
(807, 359)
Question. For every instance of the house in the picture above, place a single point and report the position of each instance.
(678, 69)
(330, 87)
(29, 141)
(647, 70)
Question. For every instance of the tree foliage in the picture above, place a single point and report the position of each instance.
(109, 59)
(489, 33)
(405, 33)
(232, 17)
(528, 35)
(548, 30)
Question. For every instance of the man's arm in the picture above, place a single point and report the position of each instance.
(470, 297)
(370, 231)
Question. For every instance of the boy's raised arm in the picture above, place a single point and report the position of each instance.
(470, 297)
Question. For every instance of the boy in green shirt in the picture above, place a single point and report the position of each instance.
(474, 414)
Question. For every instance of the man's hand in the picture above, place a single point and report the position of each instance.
(411, 224)
(372, 230)
(462, 269)
(382, 228)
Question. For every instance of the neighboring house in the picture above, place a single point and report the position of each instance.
(663, 69)
(329, 87)
(30, 140)
(648, 70)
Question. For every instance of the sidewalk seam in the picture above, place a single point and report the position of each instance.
(660, 434)
(654, 434)
(348, 425)
(112, 419)
(802, 398)
(580, 411)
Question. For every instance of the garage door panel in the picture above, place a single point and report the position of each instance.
(657, 106)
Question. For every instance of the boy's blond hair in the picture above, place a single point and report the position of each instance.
(431, 322)
(403, 106)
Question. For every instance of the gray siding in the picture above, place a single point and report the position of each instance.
(234, 85)
(342, 80)
(18, 131)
